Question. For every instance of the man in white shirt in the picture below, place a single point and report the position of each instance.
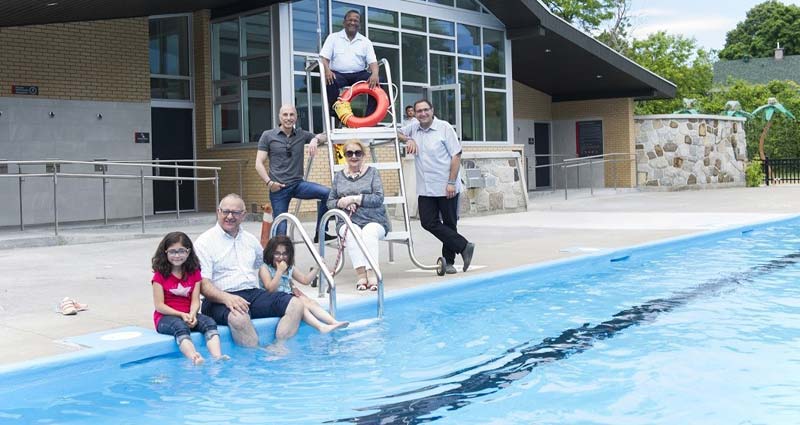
(229, 261)
(409, 117)
(438, 161)
(346, 55)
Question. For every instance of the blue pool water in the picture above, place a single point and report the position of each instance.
(703, 330)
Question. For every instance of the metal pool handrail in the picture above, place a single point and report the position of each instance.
(590, 161)
(102, 166)
(318, 257)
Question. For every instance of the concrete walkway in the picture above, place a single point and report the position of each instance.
(109, 268)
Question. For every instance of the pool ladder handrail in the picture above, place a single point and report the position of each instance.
(360, 242)
(317, 257)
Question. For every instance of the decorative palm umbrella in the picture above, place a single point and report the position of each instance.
(688, 107)
(768, 111)
(734, 109)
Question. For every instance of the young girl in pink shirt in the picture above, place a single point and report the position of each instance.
(176, 295)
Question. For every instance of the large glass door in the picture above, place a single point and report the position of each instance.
(446, 101)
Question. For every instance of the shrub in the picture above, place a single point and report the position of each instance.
(754, 174)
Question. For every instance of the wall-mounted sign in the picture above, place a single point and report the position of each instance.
(25, 90)
(141, 137)
(589, 138)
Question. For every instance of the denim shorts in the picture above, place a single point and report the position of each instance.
(175, 326)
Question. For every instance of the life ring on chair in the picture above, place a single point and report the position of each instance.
(345, 112)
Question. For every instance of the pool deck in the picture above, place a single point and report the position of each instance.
(109, 268)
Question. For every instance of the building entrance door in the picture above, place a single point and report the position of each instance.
(541, 134)
(172, 139)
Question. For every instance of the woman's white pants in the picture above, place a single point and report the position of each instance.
(370, 234)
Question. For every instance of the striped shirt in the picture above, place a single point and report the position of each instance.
(230, 263)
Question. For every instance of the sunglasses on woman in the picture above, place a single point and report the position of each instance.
(357, 154)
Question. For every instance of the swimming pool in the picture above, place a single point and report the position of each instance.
(695, 330)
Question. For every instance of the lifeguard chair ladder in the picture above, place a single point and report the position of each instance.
(377, 136)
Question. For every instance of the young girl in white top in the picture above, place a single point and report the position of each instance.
(277, 274)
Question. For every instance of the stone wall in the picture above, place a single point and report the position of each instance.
(679, 151)
(492, 183)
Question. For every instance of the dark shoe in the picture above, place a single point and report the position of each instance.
(466, 255)
(449, 269)
(327, 238)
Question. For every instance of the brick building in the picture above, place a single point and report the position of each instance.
(80, 79)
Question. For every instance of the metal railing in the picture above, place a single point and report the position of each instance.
(778, 171)
(318, 257)
(590, 161)
(53, 171)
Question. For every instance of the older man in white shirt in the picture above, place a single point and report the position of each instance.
(229, 261)
(438, 162)
(346, 55)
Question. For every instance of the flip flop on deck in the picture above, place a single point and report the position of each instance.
(70, 307)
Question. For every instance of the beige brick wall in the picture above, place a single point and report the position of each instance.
(98, 60)
(531, 104)
(618, 132)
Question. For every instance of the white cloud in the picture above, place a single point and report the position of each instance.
(689, 27)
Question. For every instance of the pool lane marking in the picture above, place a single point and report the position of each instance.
(571, 341)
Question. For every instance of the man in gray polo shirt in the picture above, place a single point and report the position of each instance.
(438, 161)
(285, 146)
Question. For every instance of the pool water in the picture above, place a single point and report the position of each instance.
(705, 330)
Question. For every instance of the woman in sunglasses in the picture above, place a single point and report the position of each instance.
(358, 189)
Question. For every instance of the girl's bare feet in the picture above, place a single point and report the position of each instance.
(196, 359)
(330, 328)
(222, 358)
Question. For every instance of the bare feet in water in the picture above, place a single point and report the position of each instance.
(277, 349)
(197, 359)
(330, 328)
(222, 358)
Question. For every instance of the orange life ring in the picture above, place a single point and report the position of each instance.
(381, 109)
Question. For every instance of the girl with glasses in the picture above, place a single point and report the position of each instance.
(176, 296)
(276, 275)
(358, 189)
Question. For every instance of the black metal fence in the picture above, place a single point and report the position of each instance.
(778, 171)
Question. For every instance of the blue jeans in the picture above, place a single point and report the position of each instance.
(300, 190)
(175, 326)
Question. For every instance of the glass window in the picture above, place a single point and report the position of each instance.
(469, 5)
(467, 64)
(226, 38)
(495, 116)
(168, 88)
(393, 56)
(382, 17)
(301, 102)
(494, 51)
(169, 46)
(412, 94)
(226, 119)
(469, 40)
(444, 2)
(338, 10)
(414, 22)
(415, 58)
(383, 36)
(443, 44)
(443, 69)
(241, 71)
(441, 27)
(494, 82)
(304, 25)
(471, 113)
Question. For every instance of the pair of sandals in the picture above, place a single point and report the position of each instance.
(364, 284)
(70, 307)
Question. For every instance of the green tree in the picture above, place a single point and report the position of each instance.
(586, 14)
(766, 25)
(679, 60)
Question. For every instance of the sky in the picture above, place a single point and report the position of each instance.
(706, 20)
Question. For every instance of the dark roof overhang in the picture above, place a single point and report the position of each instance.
(548, 54)
(552, 56)
(35, 12)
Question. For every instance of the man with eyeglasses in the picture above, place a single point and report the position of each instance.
(438, 161)
(284, 146)
(229, 261)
